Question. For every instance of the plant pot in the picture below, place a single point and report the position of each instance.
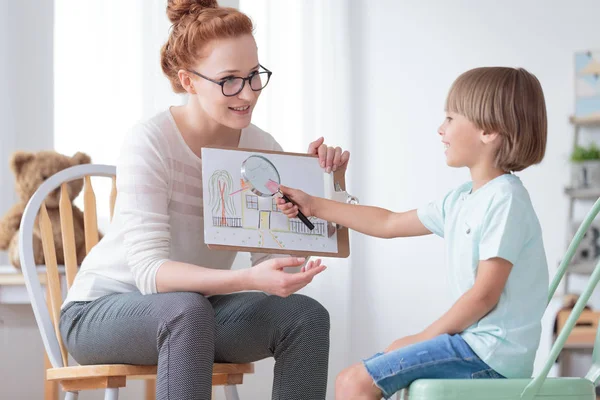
(585, 174)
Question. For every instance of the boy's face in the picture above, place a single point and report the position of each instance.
(462, 141)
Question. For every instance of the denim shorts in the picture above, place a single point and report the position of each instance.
(444, 357)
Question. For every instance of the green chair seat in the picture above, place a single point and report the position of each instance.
(499, 389)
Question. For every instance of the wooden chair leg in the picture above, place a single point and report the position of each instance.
(150, 389)
(50, 387)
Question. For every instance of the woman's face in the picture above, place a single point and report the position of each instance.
(223, 60)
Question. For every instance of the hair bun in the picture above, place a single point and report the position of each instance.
(178, 9)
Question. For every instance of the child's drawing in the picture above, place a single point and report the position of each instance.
(231, 206)
(262, 213)
(221, 203)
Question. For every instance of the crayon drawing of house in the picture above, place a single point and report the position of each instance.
(261, 212)
(244, 209)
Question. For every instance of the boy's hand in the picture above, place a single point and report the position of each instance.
(304, 202)
(330, 158)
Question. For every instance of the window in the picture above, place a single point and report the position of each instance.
(113, 38)
(251, 202)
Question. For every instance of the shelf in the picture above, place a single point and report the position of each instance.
(12, 284)
(589, 121)
(583, 193)
(10, 276)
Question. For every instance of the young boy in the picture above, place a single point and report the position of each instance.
(495, 124)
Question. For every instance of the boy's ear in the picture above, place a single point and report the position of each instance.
(489, 137)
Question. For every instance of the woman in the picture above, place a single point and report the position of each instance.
(152, 279)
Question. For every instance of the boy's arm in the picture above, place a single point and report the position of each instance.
(491, 278)
(372, 221)
(472, 306)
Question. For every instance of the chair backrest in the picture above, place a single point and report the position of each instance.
(47, 312)
(594, 374)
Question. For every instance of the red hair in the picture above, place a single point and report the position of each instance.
(195, 23)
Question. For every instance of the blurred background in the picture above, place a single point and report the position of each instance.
(370, 76)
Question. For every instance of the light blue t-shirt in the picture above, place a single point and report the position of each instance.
(497, 220)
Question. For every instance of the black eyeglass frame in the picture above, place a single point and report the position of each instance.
(248, 78)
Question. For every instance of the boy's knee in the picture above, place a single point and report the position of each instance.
(354, 381)
(344, 382)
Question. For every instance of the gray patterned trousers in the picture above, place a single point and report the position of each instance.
(184, 333)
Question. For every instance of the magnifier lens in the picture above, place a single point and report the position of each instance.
(262, 175)
(264, 180)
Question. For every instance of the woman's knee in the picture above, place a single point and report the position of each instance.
(309, 309)
(303, 313)
(192, 309)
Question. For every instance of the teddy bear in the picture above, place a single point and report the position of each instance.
(31, 170)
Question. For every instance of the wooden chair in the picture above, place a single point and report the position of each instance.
(76, 378)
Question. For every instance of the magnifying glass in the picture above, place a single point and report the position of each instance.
(264, 181)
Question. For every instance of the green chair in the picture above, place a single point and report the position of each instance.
(540, 387)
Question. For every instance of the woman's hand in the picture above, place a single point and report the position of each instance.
(330, 158)
(304, 202)
(270, 277)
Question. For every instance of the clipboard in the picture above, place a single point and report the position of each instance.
(234, 214)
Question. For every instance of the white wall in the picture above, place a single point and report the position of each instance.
(26, 86)
(407, 55)
(26, 112)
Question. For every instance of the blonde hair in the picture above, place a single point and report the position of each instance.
(507, 101)
(195, 23)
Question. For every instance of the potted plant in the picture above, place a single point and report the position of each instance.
(585, 167)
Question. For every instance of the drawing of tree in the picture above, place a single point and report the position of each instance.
(219, 188)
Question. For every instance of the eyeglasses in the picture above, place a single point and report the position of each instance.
(233, 85)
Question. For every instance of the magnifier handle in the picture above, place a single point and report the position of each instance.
(301, 216)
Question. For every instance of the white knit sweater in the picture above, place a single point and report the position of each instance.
(158, 213)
